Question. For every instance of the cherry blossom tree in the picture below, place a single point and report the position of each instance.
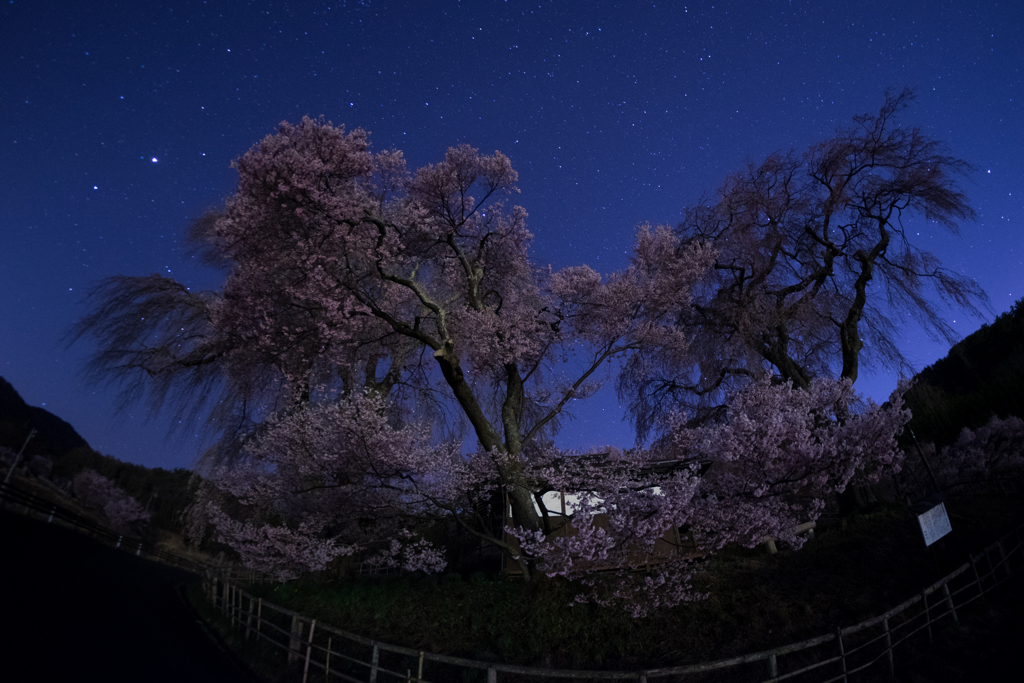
(817, 264)
(348, 273)
(368, 310)
(122, 511)
(992, 451)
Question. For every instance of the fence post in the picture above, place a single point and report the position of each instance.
(327, 666)
(991, 565)
(977, 579)
(293, 641)
(309, 651)
(888, 647)
(773, 666)
(248, 617)
(231, 604)
(927, 613)
(842, 652)
(259, 618)
(374, 660)
(1004, 559)
(492, 675)
(949, 601)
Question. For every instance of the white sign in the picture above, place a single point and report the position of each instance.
(934, 524)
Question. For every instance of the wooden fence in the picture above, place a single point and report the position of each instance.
(835, 656)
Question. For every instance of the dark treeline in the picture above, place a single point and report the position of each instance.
(57, 452)
(982, 376)
(165, 493)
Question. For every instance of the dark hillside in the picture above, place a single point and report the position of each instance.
(55, 436)
(982, 376)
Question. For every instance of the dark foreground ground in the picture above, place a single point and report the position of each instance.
(75, 610)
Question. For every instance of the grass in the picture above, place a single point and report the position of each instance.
(854, 569)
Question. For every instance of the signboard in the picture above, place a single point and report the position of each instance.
(934, 524)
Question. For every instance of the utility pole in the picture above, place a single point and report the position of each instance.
(18, 459)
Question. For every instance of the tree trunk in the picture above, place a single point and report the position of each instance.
(524, 514)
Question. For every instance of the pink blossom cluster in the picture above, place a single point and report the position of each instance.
(990, 452)
(329, 480)
(122, 511)
(767, 468)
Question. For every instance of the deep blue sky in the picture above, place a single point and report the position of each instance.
(121, 119)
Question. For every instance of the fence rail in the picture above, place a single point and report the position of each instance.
(31, 503)
(835, 656)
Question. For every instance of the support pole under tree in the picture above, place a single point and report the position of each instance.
(18, 458)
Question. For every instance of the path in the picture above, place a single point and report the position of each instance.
(73, 609)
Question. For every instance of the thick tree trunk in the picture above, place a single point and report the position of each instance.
(524, 514)
(849, 329)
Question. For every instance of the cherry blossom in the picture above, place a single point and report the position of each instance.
(122, 511)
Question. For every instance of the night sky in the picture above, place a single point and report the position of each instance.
(121, 119)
